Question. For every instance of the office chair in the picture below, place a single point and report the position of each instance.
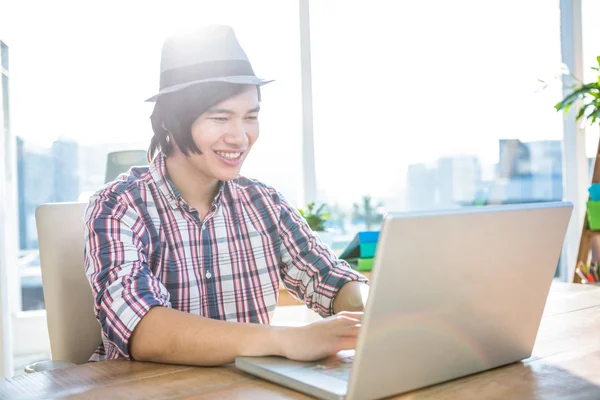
(118, 162)
(72, 326)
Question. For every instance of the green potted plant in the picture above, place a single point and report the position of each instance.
(588, 94)
(316, 216)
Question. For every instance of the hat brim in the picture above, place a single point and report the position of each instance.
(240, 80)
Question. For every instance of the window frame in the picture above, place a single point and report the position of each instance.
(575, 167)
(6, 256)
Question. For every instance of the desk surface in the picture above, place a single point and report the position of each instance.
(565, 365)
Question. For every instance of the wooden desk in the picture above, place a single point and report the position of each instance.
(565, 365)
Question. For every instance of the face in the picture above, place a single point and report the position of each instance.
(225, 134)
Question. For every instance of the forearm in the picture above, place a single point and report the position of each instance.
(170, 336)
(351, 297)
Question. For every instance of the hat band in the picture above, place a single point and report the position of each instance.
(206, 70)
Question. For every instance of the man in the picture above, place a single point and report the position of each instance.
(185, 256)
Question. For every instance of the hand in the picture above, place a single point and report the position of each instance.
(321, 339)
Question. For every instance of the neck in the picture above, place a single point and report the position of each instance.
(197, 189)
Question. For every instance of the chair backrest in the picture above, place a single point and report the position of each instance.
(72, 326)
(118, 162)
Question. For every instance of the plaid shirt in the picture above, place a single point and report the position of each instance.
(145, 247)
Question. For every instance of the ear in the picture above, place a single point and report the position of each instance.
(162, 124)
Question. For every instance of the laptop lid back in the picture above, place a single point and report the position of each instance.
(455, 293)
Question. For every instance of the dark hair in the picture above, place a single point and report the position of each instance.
(178, 111)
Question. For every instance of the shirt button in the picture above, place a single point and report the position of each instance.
(208, 275)
(204, 227)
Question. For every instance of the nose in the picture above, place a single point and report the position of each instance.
(236, 134)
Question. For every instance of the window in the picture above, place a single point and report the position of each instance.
(446, 107)
(78, 84)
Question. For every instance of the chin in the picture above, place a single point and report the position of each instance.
(227, 175)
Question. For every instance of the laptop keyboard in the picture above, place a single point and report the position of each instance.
(339, 368)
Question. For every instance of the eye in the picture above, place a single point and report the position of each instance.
(252, 117)
(219, 119)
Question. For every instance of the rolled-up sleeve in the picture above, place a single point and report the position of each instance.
(309, 269)
(116, 265)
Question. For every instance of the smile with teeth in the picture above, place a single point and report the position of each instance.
(231, 156)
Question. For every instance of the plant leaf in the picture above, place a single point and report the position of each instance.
(582, 110)
(588, 89)
(594, 115)
(320, 209)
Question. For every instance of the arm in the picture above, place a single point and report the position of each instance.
(351, 297)
(312, 272)
(170, 336)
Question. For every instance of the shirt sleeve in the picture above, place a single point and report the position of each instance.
(116, 265)
(309, 269)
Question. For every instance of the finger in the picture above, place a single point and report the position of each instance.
(355, 314)
(347, 320)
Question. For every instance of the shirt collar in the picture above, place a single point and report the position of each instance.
(158, 171)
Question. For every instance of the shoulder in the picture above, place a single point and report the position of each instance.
(127, 190)
(253, 189)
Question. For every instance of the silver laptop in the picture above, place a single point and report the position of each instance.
(452, 293)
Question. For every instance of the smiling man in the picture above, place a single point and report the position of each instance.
(185, 256)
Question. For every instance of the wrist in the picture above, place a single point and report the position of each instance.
(261, 340)
(278, 340)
